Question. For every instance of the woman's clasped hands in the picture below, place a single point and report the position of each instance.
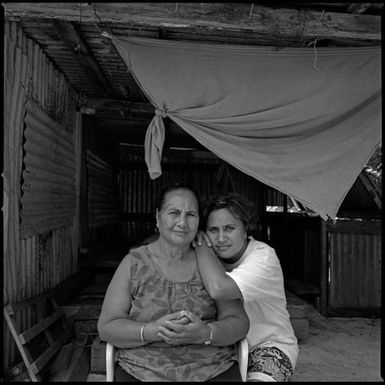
(182, 327)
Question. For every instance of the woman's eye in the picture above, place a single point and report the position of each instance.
(212, 231)
(230, 228)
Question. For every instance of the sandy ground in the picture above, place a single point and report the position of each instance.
(338, 349)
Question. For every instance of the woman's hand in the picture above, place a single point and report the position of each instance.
(188, 329)
(151, 330)
(201, 239)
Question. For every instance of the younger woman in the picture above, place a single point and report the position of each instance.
(248, 269)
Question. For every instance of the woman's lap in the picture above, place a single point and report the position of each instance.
(230, 375)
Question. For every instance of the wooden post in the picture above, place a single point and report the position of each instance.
(324, 264)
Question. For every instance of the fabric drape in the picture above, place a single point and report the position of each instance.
(304, 121)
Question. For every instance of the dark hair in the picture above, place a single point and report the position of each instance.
(241, 208)
(175, 187)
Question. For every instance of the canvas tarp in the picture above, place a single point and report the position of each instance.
(302, 120)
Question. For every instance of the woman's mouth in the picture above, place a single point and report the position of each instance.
(223, 247)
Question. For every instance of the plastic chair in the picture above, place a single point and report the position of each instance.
(243, 353)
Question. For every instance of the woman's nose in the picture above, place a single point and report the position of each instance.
(221, 236)
(182, 221)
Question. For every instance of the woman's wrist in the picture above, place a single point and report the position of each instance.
(150, 333)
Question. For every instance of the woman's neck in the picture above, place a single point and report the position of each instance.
(171, 251)
(235, 258)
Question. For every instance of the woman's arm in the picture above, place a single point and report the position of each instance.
(217, 283)
(114, 325)
(232, 323)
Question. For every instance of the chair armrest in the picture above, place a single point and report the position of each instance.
(243, 357)
(110, 362)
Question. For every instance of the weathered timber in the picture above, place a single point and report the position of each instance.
(98, 356)
(118, 105)
(79, 49)
(37, 361)
(283, 26)
(355, 227)
(358, 7)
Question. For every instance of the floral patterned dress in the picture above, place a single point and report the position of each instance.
(154, 296)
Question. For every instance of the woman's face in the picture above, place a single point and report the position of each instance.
(226, 232)
(178, 219)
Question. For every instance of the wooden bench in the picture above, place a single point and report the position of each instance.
(46, 347)
(304, 290)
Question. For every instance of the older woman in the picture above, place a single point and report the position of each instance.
(238, 266)
(157, 312)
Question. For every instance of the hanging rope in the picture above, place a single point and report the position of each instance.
(314, 42)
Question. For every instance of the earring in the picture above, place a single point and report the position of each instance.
(156, 230)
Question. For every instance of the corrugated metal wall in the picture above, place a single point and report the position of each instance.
(103, 204)
(355, 266)
(48, 191)
(38, 262)
(138, 193)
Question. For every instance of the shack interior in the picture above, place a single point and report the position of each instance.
(71, 70)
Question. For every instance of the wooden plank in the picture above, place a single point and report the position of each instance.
(38, 328)
(24, 353)
(355, 226)
(42, 360)
(172, 166)
(358, 7)
(13, 308)
(108, 104)
(354, 312)
(324, 264)
(276, 25)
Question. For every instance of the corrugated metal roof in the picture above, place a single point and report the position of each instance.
(75, 37)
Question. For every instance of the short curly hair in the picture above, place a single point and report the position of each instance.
(241, 207)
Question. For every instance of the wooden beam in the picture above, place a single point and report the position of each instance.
(260, 24)
(358, 7)
(79, 49)
(118, 105)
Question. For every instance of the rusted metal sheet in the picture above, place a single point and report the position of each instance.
(48, 200)
(102, 199)
(355, 270)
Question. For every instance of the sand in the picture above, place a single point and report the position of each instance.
(340, 349)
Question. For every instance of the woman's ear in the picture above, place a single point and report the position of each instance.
(156, 217)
